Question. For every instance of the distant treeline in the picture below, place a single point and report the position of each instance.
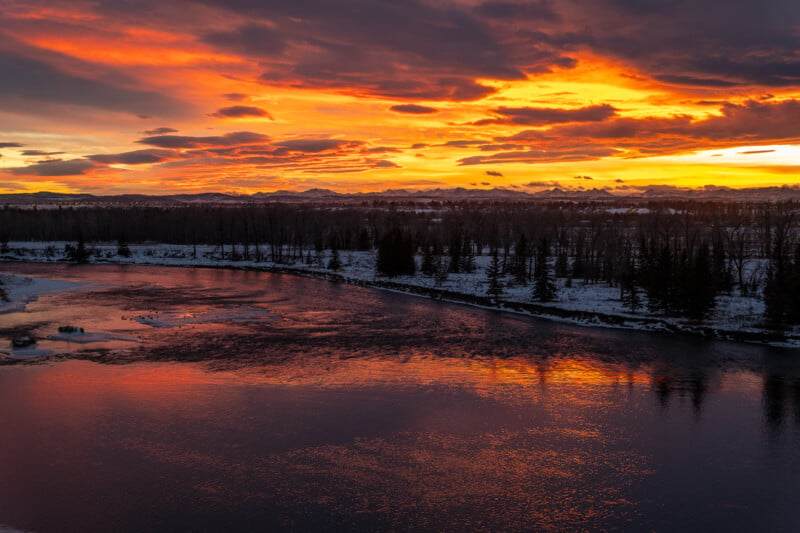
(680, 254)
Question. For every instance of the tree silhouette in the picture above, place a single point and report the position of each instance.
(396, 254)
(544, 288)
(495, 289)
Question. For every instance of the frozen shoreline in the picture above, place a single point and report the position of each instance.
(23, 289)
(598, 305)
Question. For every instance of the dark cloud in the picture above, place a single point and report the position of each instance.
(439, 50)
(12, 186)
(417, 146)
(160, 131)
(28, 79)
(542, 116)
(242, 111)
(583, 178)
(462, 143)
(56, 167)
(542, 184)
(325, 74)
(703, 43)
(585, 153)
(494, 173)
(485, 183)
(236, 97)
(411, 50)
(381, 150)
(315, 145)
(252, 40)
(753, 120)
(499, 147)
(691, 81)
(39, 153)
(413, 109)
(515, 11)
(749, 122)
(385, 163)
(618, 128)
(137, 157)
(752, 152)
(185, 141)
(10, 145)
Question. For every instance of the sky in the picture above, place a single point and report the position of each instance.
(242, 96)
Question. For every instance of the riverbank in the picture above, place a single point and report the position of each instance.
(735, 318)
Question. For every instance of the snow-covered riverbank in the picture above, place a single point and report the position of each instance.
(735, 317)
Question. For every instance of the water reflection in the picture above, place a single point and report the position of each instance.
(355, 409)
(693, 384)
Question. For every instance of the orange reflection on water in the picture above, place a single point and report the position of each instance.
(479, 443)
(557, 468)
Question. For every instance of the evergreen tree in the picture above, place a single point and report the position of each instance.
(428, 266)
(632, 300)
(396, 254)
(468, 258)
(441, 272)
(722, 275)
(562, 264)
(782, 291)
(77, 253)
(629, 291)
(319, 253)
(700, 289)
(544, 288)
(364, 241)
(659, 287)
(334, 263)
(122, 247)
(495, 289)
(454, 250)
(519, 263)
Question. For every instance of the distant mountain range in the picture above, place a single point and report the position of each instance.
(453, 194)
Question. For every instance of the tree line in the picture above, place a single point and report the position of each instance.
(675, 257)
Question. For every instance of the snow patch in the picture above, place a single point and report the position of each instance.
(26, 353)
(23, 289)
(88, 338)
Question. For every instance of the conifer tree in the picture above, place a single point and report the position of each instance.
(495, 289)
(544, 288)
(122, 247)
(396, 254)
(428, 266)
(77, 253)
(334, 263)
(519, 265)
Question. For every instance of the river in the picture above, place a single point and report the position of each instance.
(222, 400)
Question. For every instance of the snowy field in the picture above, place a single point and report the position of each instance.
(587, 304)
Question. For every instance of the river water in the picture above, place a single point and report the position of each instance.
(220, 400)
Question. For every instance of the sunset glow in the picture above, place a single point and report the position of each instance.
(112, 97)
